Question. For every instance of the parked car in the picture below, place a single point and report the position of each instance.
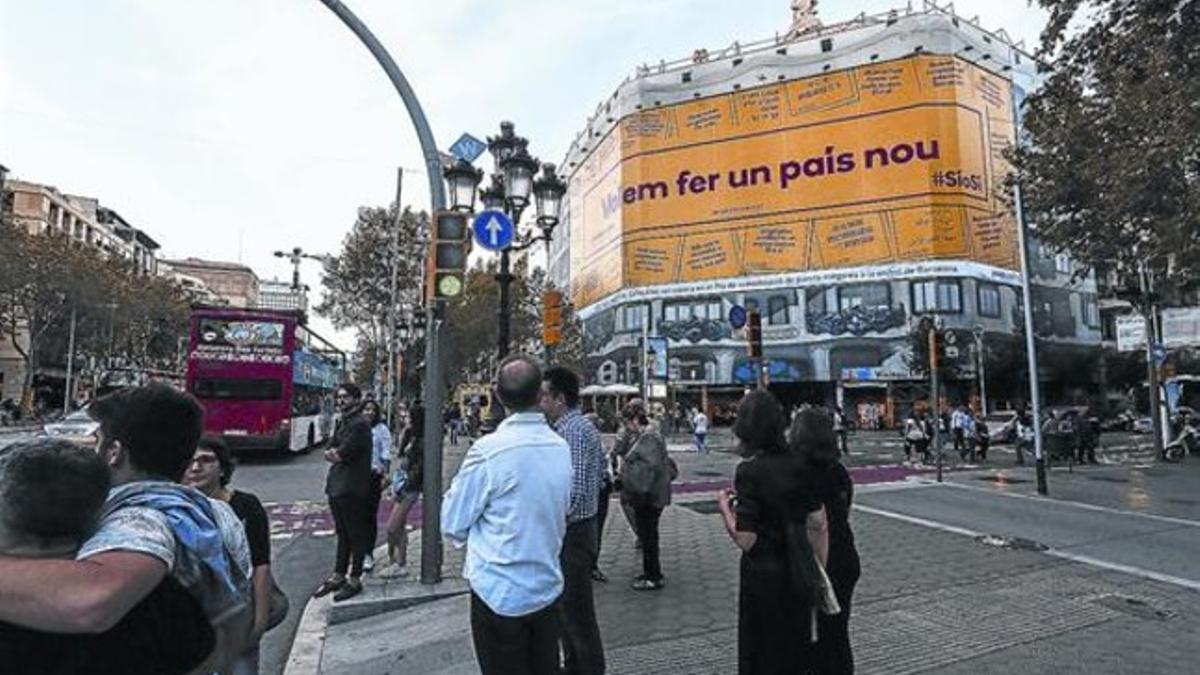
(78, 427)
(1002, 426)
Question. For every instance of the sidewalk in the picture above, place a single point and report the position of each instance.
(929, 601)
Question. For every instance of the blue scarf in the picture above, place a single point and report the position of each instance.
(192, 520)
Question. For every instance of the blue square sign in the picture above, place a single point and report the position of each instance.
(468, 148)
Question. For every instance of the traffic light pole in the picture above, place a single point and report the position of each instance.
(431, 537)
(935, 398)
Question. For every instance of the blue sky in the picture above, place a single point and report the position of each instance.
(231, 128)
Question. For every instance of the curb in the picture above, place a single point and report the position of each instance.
(308, 645)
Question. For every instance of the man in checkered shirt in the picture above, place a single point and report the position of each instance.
(581, 635)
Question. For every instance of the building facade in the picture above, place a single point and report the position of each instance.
(44, 209)
(844, 181)
(231, 283)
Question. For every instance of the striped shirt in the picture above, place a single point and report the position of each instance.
(587, 463)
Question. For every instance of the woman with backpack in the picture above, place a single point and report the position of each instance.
(778, 521)
(646, 474)
(814, 441)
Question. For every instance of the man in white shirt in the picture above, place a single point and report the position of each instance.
(508, 505)
(700, 429)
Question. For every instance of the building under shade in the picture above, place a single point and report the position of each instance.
(844, 180)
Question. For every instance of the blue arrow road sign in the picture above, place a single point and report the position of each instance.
(468, 148)
(493, 230)
(737, 317)
(1159, 352)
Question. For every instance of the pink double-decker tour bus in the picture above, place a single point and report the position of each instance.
(265, 380)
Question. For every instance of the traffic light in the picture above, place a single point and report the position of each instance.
(754, 333)
(446, 267)
(552, 302)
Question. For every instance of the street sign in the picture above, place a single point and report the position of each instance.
(1131, 333)
(493, 230)
(1159, 353)
(737, 317)
(468, 148)
(1181, 326)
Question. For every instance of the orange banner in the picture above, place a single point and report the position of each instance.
(891, 162)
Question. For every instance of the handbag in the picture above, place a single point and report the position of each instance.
(279, 605)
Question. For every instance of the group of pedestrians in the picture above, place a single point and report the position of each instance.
(362, 469)
(528, 504)
(789, 514)
(110, 563)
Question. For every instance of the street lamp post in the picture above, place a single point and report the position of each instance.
(514, 180)
(980, 375)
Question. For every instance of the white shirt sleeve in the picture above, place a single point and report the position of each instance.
(466, 499)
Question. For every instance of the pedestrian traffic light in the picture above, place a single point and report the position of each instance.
(754, 333)
(447, 263)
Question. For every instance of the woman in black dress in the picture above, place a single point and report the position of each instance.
(773, 490)
(812, 438)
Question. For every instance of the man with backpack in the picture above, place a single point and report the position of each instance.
(151, 527)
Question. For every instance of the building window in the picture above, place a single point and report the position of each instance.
(941, 296)
(630, 318)
(777, 310)
(1091, 311)
(699, 309)
(864, 295)
(989, 300)
(1062, 263)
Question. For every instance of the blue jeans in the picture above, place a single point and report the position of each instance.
(700, 442)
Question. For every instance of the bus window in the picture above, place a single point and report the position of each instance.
(238, 389)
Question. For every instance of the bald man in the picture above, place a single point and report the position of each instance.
(508, 505)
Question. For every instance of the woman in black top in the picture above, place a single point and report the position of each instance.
(406, 491)
(210, 472)
(813, 440)
(774, 491)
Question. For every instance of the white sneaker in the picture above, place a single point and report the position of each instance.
(393, 571)
(368, 563)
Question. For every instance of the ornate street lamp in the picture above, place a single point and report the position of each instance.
(493, 196)
(463, 179)
(518, 169)
(548, 191)
(505, 145)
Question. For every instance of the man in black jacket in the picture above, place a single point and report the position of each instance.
(348, 487)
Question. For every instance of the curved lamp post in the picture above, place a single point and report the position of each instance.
(431, 532)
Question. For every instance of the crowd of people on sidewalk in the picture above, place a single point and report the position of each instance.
(139, 556)
(529, 504)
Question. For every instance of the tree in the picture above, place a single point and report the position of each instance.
(1111, 167)
(47, 277)
(471, 339)
(358, 281)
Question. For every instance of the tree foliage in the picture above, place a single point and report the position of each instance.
(1111, 167)
(119, 316)
(358, 281)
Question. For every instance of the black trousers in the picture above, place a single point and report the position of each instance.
(646, 522)
(601, 518)
(350, 525)
(582, 648)
(522, 645)
(373, 510)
